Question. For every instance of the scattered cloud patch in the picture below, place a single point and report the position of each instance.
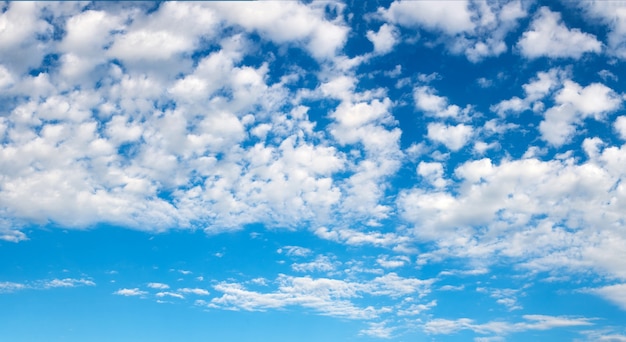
(549, 37)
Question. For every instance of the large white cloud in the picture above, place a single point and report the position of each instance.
(544, 212)
(573, 104)
(476, 29)
(549, 37)
(448, 16)
(453, 137)
(295, 22)
(613, 15)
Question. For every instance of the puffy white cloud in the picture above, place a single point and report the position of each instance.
(433, 173)
(172, 29)
(543, 213)
(542, 85)
(448, 16)
(453, 137)
(87, 35)
(572, 104)
(620, 126)
(427, 100)
(549, 37)
(290, 22)
(476, 29)
(385, 39)
(9, 231)
(575, 103)
(613, 15)
(21, 28)
(392, 262)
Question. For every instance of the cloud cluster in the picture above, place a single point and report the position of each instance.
(476, 29)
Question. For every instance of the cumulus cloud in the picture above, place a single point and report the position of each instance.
(453, 137)
(290, 22)
(543, 213)
(549, 37)
(476, 29)
(427, 100)
(613, 15)
(384, 40)
(449, 17)
(575, 103)
(620, 126)
(542, 85)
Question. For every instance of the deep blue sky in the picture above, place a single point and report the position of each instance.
(283, 170)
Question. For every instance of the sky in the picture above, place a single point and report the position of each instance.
(313, 171)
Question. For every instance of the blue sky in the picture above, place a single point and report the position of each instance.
(280, 171)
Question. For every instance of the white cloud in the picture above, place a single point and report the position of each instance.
(167, 294)
(453, 137)
(7, 287)
(87, 35)
(392, 262)
(506, 297)
(549, 37)
(575, 103)
(158, 286)
(68, 282)
(384, 40)
(172, 29)
(355, 237)
(378, 330)
(448, 16)
(130, 292)
(321, 263)
(620, 126)
(476, 29)
(295, 251)
(613, 15)
(290, 22)
(531, 322)
(613, 293)
(543, 213)
(433, 173)
(327, 296)
(20, 27)
(432, 104)
(11, 234)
